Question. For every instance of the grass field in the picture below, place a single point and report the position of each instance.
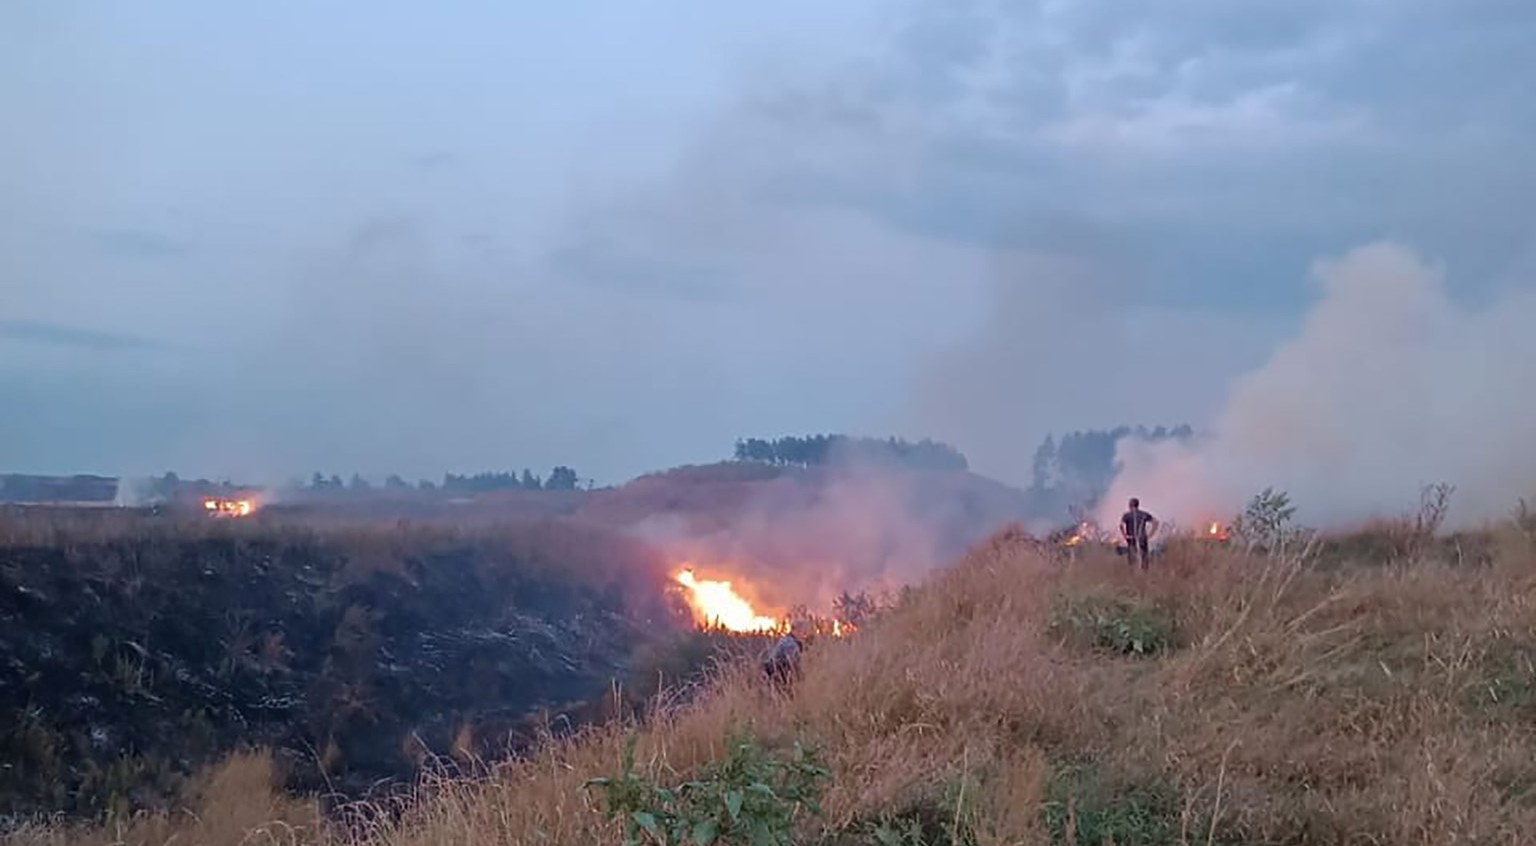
(1223, 697)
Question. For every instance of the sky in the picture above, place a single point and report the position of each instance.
(261, 240)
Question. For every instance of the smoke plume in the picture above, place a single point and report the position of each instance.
(856, 525)
(134, 492)
(1388, 386)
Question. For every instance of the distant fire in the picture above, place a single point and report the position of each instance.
(229, 507)
(1083, 533)
(1087, 532)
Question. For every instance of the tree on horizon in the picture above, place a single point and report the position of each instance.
(818, 450)
(1076, 469)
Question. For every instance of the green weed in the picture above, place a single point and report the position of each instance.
(1083, 807)
(948, 818)
(750, 799)
(1115, 625)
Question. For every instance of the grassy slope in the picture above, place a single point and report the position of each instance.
(1262, 701)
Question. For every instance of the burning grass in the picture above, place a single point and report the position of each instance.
(243, 507)
(716, 603)
(1278, 702)
(723, 605)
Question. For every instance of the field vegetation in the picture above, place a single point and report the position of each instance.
(1375, 688)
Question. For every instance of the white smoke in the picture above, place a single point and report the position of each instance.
(853, 525)
(135, 492)
(1390, 385)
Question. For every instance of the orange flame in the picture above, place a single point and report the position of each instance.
(1216, 531)
(1084, 531)
(716, 603)
(229, 507)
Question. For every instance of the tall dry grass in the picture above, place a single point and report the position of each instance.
(234, 803)
(1269, 702)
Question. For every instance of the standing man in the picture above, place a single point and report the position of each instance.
(1137, 527)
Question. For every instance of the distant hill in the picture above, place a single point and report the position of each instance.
(20, 488)
(713, 496)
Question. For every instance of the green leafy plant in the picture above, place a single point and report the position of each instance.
(943, 818)
(1082, 806)
(1115, 625)
(751, 798)
(899, 831)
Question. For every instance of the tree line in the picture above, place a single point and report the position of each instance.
(816, 450)
(1076, 469)
(170, 486)
(561, 478)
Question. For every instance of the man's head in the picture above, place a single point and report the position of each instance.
(1135, 503)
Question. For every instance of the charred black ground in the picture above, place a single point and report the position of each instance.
(132, 654)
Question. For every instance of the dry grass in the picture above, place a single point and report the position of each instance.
(1285, 704)
(234, 803)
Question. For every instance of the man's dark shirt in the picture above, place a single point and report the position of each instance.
(1134, 525)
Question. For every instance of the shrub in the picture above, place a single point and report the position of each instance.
(1267, 524)
(751, 798)
(1082, 806)
(1115, 625)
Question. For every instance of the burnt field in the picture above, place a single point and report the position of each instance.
(137, 646)
(364, 639)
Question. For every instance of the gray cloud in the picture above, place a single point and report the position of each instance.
(979, 221)
(1134, 192)
(1163, 174)
(33, 332)
(435, 160)
(1187, 119)
(135, 243)
(592, 264)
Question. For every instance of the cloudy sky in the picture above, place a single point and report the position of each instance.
(265, 239)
